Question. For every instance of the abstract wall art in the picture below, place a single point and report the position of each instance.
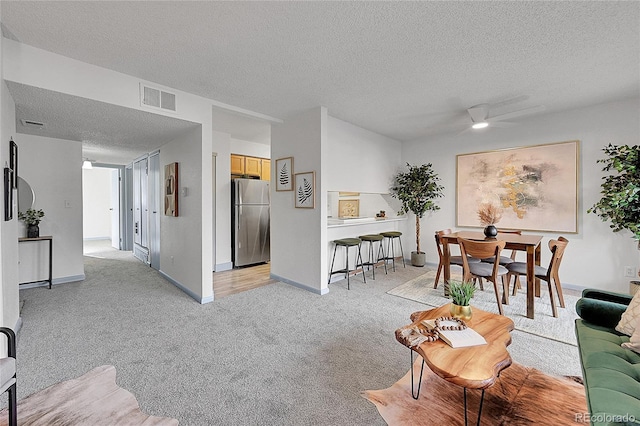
(171, 189)
(536, 187)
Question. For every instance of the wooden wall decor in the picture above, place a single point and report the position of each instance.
(171, 189)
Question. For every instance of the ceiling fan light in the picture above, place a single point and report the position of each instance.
(480, 125)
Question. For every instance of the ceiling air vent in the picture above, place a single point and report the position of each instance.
(32, 123)
(156, 98)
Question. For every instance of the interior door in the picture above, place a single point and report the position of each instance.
(115, 209)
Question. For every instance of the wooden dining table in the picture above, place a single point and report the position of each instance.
(527, 243)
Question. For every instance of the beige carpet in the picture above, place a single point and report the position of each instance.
(421, 290)
(521, 396)
(92, 399)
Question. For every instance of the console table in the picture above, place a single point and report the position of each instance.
(42, 238)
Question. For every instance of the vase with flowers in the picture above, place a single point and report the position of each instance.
(489, 214)
(32, 219)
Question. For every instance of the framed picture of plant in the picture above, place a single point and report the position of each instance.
(305, 190)
(536, 187)
(284, 174)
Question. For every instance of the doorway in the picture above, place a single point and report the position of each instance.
(103, 207)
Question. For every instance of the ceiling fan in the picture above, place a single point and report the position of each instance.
(481, 119)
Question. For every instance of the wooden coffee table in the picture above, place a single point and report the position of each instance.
(474, 367)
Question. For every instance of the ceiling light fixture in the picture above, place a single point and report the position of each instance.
(87, 164)
(480, 125)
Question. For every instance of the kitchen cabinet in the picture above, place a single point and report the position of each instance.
(252, 166)
(237, 164)
(266, 169)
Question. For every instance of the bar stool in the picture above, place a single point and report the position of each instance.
(346, 243)
(390, 236)
(371, 239)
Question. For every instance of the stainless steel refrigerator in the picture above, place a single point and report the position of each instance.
(250, 231)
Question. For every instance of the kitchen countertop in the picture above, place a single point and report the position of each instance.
(334, 222)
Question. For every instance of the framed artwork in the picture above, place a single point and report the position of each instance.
(171, 189)
(13, 163)
(348, 208)
(305, 190)
(536, 187)
(348, 194)
(284, 174)
(8, 194)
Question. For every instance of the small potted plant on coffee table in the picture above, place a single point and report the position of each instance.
(461, 293)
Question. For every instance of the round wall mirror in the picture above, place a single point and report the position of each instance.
(26, 196)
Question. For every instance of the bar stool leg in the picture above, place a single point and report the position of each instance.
(402, 252)
(381, 249)
(361, 265)
(347, 267)
(335, 247)
(393, 253)
(370, 260)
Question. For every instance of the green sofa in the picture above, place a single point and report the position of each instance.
(611, 373)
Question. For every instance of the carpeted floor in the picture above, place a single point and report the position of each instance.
(420, 289)
(273, 355)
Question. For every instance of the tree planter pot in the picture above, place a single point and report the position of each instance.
(418, 258)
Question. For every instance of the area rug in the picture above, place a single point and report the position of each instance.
(92, 399)
(521, 396)
(420, 289)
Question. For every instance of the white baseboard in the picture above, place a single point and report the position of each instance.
(56, 281)
(194, 296)
(299, 285)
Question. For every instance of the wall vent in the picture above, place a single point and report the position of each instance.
(32, 123)
(156, 98)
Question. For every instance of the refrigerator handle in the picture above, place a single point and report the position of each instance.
(238, 192)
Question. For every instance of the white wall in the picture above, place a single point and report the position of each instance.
(181, 237)
(359, 160)
(252, 149)
(221, 148)
(297, 252)
(9, 310)
(595, 256)
(53, 168)
(96, 202)
(24, 64)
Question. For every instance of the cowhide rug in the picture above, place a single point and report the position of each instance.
(92, 399)
(521, 396)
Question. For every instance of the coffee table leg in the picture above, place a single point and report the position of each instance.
(415, 394)
(479, 410)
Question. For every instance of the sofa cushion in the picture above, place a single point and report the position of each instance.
(611, 373)
(634, 341)
(627, 324)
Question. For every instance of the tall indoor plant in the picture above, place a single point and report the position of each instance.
(417, 188)
(620, 202)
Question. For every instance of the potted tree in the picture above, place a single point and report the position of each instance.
(417, 188)
(620, 202)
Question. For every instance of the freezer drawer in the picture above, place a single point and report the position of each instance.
(251, 235)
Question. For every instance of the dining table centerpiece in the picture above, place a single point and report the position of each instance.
(489, 214)
(461, 293)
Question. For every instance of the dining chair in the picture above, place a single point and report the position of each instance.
(453, 260)
(489, 271)
(8, 375)
(505, 260)
(557, 248)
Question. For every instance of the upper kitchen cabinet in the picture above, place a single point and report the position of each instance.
(252, 166)
(266, 169)
(237, 164)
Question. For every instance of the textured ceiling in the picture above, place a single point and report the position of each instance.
(402, 69)
(109, 133)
